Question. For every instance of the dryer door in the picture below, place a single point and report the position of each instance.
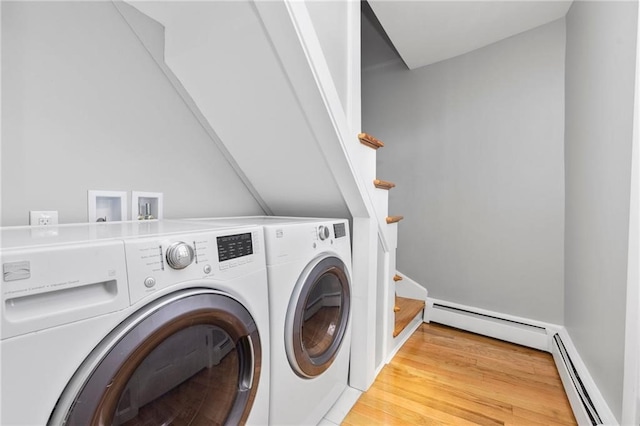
(318, 316)
(192, 358)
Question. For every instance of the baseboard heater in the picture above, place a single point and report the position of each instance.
(576, 384)
(484, 323)
(487, 317)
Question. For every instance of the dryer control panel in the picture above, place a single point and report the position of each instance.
(288, 242)
(157, 263)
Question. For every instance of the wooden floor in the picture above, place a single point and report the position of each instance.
(446, 376)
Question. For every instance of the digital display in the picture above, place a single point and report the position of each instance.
(339, 230)
(234, 246)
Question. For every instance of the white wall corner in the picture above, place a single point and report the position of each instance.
(149, 31)
(631, 383)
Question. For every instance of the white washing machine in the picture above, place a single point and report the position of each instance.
(155, 322)
(309, 271)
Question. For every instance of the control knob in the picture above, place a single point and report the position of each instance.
(180, 255)
(323, 232)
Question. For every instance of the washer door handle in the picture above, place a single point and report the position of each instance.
(246, 375)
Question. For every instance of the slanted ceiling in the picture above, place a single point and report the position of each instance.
(231, 76)
(425, 32)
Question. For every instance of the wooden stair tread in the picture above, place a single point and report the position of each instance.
(383, 184)
(397, 277)
(394, 219)
(370, 141)
(409, 308)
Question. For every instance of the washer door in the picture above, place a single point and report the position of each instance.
(192, 358)
(317, 317)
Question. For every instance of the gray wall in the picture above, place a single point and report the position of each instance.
(599, 112)
(475, 146)
(84, 107)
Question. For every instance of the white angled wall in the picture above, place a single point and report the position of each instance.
(330, 20)
(84, 106)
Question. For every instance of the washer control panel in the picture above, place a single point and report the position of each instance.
(156, 263)
(180, 255)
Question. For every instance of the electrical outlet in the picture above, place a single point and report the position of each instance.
(46, 217)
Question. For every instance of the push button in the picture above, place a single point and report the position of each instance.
(149, 282)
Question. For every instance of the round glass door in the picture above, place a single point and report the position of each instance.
(192, 361)
(317, 317)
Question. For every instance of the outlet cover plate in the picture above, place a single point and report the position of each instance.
(43, 217)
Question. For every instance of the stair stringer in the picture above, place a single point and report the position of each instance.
(361, 158)
(381, 203)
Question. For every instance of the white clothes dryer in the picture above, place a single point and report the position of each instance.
(309, 271)
(155, 322)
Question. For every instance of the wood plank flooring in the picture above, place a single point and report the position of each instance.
(447, 376)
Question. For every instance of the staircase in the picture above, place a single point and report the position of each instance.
(401, 302)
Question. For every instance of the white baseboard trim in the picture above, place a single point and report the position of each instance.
(342, 406)
(533, 334)
(402, 338)
(380, 367)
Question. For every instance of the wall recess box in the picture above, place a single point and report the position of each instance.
(107, 206)
(146, 205)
